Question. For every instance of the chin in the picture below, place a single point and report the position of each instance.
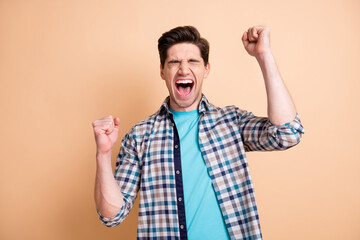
(185, 104)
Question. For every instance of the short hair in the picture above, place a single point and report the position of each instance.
(185, 34)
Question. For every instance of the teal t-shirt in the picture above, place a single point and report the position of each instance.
(203, 215)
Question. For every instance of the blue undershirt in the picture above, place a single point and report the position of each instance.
(203, 215)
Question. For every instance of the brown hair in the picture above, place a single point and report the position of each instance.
(179, 35)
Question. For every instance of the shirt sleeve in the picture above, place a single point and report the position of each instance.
(259, 134)
(127, 175)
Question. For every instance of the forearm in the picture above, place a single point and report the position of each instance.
(108, 196)
(281, 108)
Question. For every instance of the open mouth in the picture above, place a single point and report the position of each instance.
(184, 87)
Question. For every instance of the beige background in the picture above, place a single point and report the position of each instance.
(64, 64)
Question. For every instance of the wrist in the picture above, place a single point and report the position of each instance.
(264, 56)
(102, 155)
(103, 159)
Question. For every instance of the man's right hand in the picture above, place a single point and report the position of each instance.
(106, 131)
(108, 196)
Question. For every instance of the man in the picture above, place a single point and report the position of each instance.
(188, 159)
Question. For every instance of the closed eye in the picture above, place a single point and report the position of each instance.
(173, 61)
(194, 60)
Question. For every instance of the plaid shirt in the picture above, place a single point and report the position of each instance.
(149, 160)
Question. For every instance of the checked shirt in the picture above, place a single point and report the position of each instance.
(149, 160)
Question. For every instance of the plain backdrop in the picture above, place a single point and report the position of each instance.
(66, 63)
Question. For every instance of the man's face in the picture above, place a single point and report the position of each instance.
(183, 73)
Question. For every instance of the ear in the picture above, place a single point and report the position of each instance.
(207, 70)
(162, 72)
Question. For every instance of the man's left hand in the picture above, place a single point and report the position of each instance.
(256, 40)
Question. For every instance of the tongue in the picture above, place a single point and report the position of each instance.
(184, 90)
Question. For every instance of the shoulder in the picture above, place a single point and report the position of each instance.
(139, 136)
(143, 129)
(228, 112)
(212, 109)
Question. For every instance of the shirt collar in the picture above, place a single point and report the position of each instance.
(204, 105)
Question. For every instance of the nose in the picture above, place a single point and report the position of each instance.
(184, 68)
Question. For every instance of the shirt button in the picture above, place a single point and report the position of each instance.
(182, 226)
(180, 199)
(176, 146)
(177, 172)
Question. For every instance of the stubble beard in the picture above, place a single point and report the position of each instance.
(185, 105)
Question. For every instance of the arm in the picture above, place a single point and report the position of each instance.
(108, 197)
(280, 108)
(259, 134)
(282, 129)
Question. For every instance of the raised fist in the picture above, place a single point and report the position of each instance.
(256, 40)
(106, 132)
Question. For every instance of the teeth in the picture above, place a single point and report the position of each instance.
(184, 82)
